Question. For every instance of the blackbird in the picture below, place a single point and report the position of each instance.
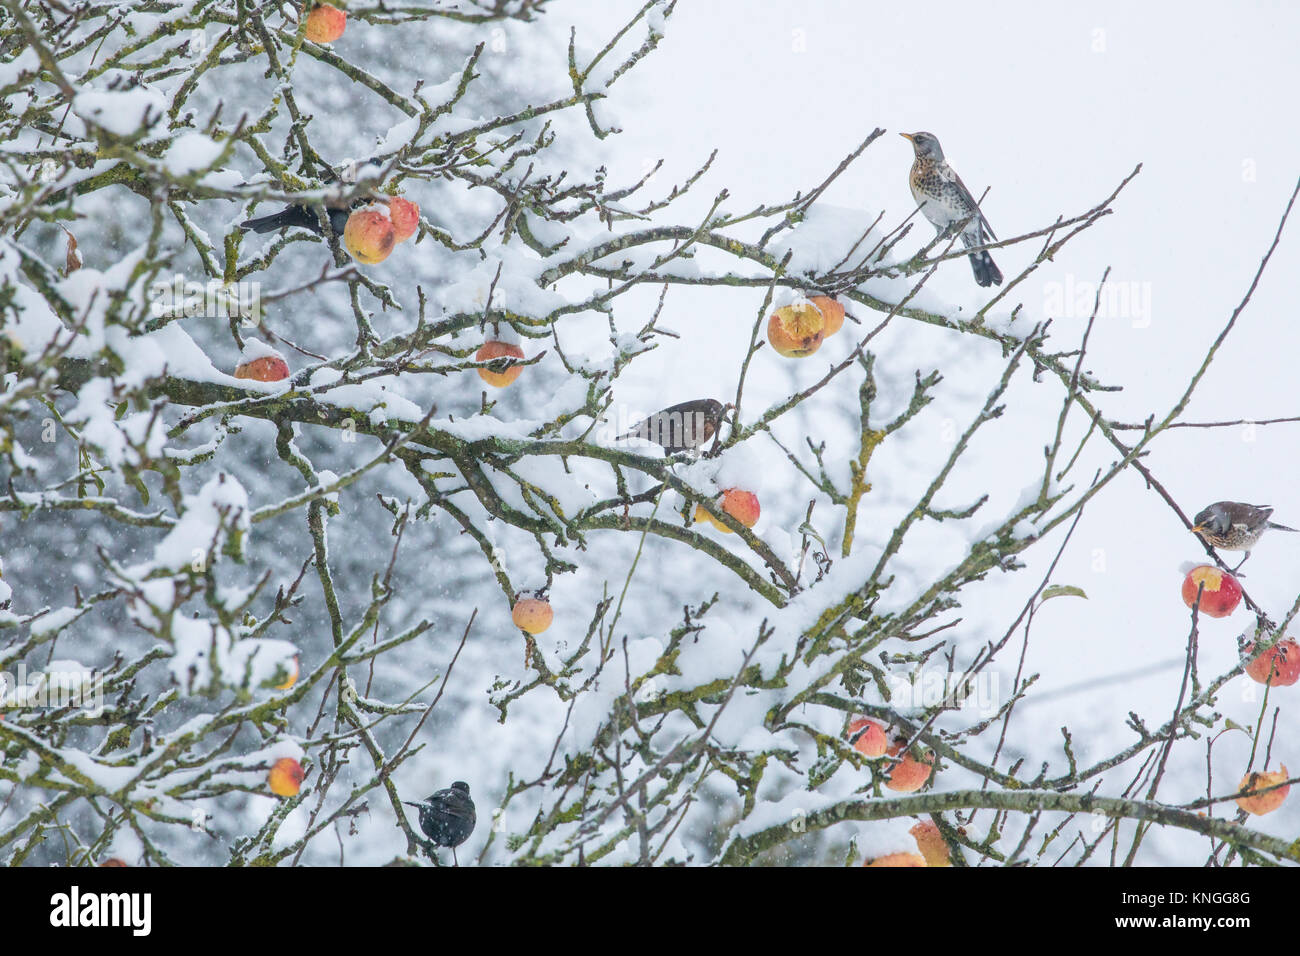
(1235, 526)
(302, 216)
(447, 817)
(305, 216)
(682, 427)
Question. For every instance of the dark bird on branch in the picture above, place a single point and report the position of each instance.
(947, 203)
(1235, 526)
(305, 217)
(447, 817)
(683, 427)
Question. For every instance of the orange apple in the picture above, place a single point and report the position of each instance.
(369, 236)
(494, 350)
(1262, 803)
(325, 24)
(701, 515)
(532, 614)
(931, 844)
(832, 312)
(264, 368)
(740, 504)
(796, 331)
(285, 777)
(114, 861)
(897, 859)
(1279, 665)
(1220, 592)
(406, 217)
(872, 741)
(910, 774)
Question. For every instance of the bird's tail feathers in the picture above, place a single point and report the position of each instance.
(986, 272)
(289, 216)
(1281, 527)
(265, 224)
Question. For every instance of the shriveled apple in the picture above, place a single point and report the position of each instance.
(796, 331)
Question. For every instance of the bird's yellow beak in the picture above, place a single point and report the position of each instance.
(907, 136)
(1198, 528)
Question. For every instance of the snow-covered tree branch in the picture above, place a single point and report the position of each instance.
(317, 355)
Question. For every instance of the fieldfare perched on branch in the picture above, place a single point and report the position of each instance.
(682, 427)
(947, 203)
(1234, 526)
(447, 817)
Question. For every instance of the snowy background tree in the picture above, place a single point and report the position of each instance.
(322, 569)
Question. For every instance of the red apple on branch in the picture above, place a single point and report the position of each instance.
(832, 313)
(740, 504)
(406, 217)
(264, 368)
(285, 777)
(494, 350)
(931, 844)
(871, 739)
(1279, 665)
(369, 235)
(325, 23)
(1261, 803)
(796, 331)
(1220, 591)
(532, 614)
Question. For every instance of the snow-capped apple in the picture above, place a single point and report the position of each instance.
(871, 740)
(285, 777)
(532, 614)
(263, 368)
(897, 859)
(931, 844)
(796, 331)
(405, 216)
(1261, 803)
(1279, 665)
(369, 235)
(1220, 591)
(832, 314)
(495, 350)
(740, 504)
(325, 23)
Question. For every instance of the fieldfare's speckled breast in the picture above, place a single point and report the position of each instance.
(1235, 525)
(946, 202)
